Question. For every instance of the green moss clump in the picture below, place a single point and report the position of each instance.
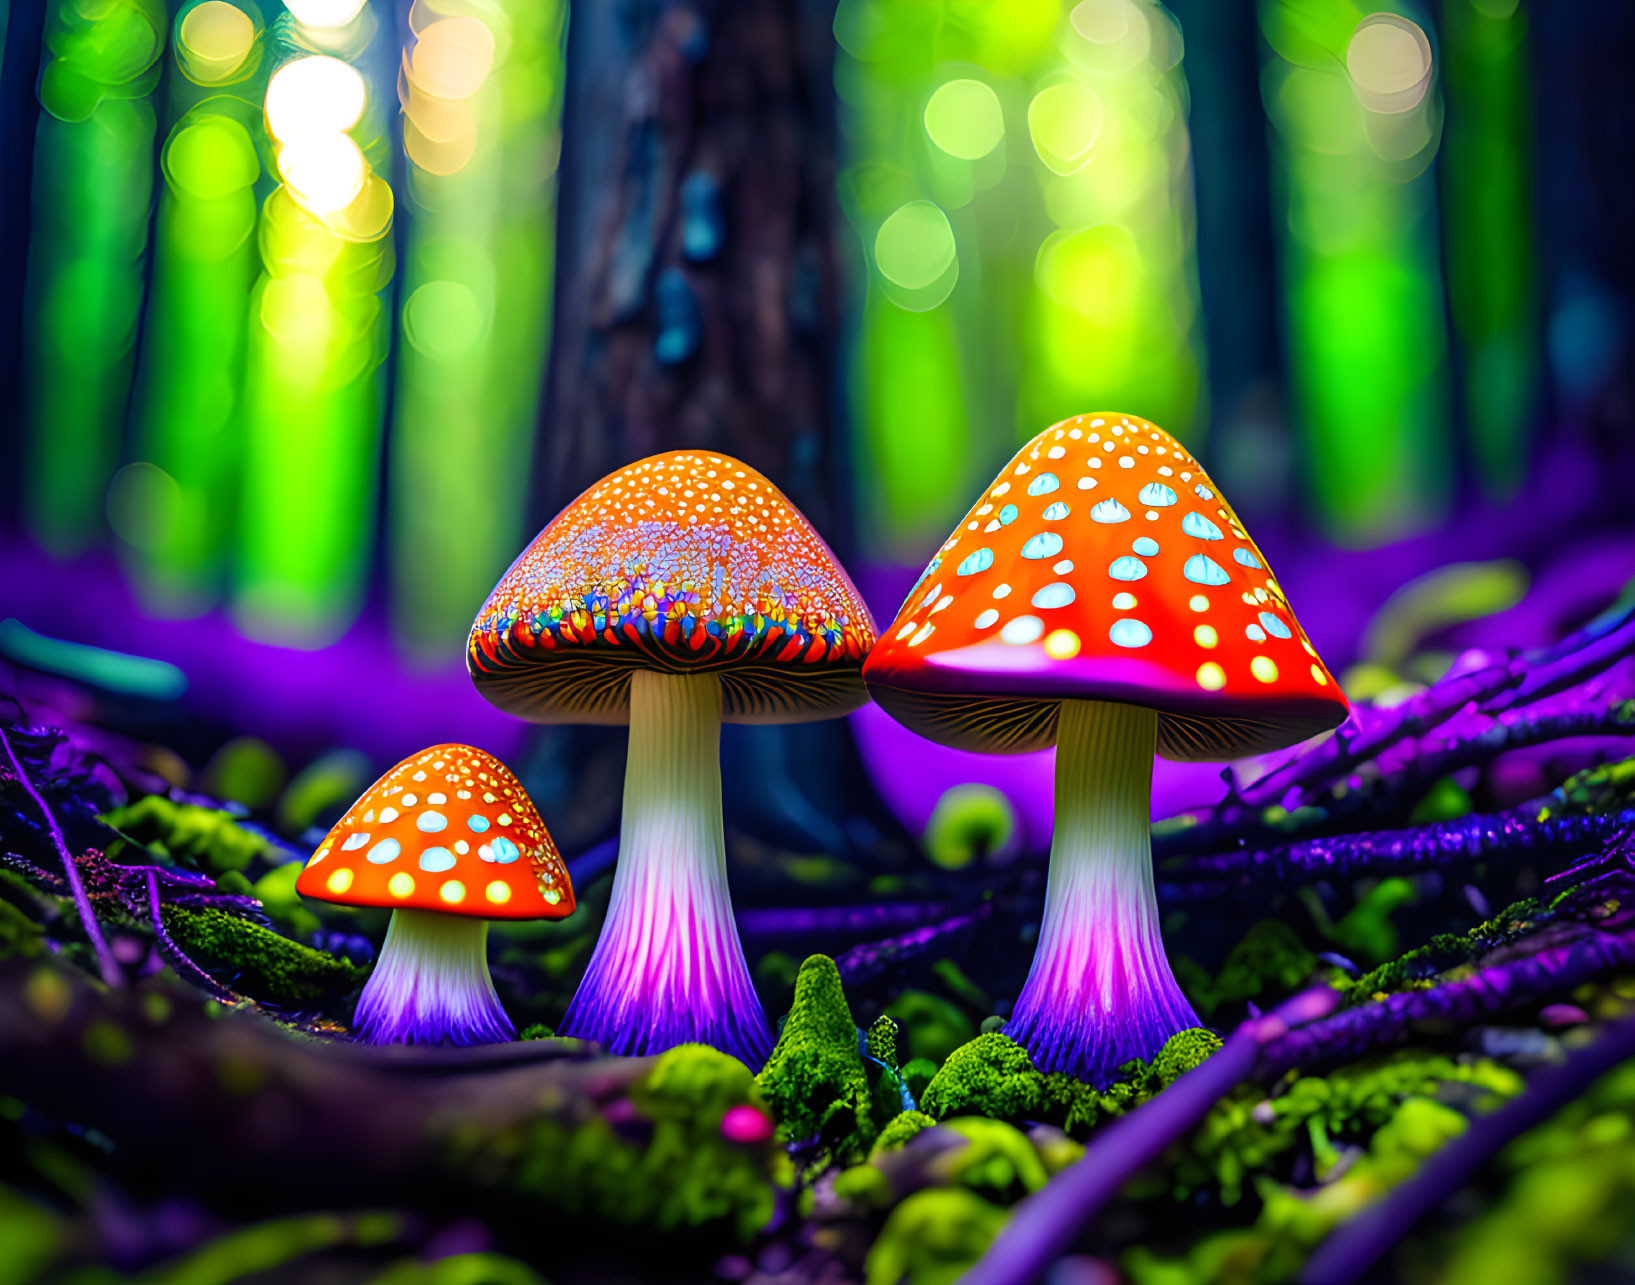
(882, 1041)
(900, 1130)
(205, 838)
(256, 961)
(537, 1031)
(681, 1174)
(933, 1238)
(1181, 1052)
(815, 1080)
(991, 1075)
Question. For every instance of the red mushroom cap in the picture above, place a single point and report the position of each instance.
(681, 562)
(1103, 564)
(448, 829)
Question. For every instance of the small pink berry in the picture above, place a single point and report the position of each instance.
(746, 1124)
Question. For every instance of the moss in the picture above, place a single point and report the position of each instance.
(992, 1075)
(1181, 1052)
(815, 1080)
(931, 1026)
(537, 1031)
(933, 1238)
(1450, 950)
(900, 1130)
(256, 961)
(205, 838)
(676, 1171)
(882, 1041)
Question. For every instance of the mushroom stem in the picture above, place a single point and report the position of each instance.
(1100, 991)
(668, 968)
(431, 984)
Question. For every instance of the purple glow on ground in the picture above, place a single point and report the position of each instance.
(358, 692)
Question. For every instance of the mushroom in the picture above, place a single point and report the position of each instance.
(448, 839)
(1103, 597)
(678, 593)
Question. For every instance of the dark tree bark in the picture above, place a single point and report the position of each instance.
(696, 297)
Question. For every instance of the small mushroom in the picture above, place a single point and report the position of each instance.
(681, 592)
(449, 840)
(1102, 596)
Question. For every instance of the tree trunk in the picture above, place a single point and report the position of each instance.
(696, 297)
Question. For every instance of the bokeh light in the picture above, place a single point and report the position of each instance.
(965, 119)
(915, 253)
(323, 14)
(324, 171)
(1389, 59)
(214, 42)
(315, 95)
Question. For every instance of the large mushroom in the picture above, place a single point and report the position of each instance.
(449, 840)
(1103, 597)
(681, 592)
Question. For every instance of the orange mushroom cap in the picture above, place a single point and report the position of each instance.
(1103, 564)
(681, 562)
(448, 829)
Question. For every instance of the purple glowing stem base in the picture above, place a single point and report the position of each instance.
(1100, 991)
(668, 968)
(431, 985)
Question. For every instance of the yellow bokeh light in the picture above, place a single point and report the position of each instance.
(964, 118)
(453, 892)
(1205, 636)
(317, 95)
(401, 884)
(453, 57)
(339, 880)
(1065, 121)
(1198, 602)
(498, 892)
(324, 172)
(1318, 675)
(324, 13)
(1211, 677)
(1264, 668)
(213, 41)
(1389, 59)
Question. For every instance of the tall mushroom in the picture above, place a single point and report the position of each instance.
(449, 840)
(1102, 596)
(681, 592)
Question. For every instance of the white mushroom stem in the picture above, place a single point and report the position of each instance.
(668, 968)
(431, 984)
(1100, 991)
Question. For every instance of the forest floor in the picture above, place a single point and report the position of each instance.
(1413, 944)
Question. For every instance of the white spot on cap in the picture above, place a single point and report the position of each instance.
(987, 619)
(1043, 484)
(431, 822)
(1002, 591)
(1129, 632)
(1055, 512)
(477, 824)
(1274, 626)
(1156, 494)
(388, 815)
(1063, 567)
(355, 841)
(1127, 568)
(1145, 545)
(1047, 544)
(1196, 524)
(1054, 595)
(384, 851)
(505, 852)
(1024, 629)
(1109, 511)
(981, 560)
(1244, 558)
(1202, 569)
(436, 860)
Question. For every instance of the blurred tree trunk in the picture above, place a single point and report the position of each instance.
(696, 296)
